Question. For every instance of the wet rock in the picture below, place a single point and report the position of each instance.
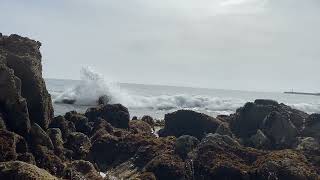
(185, 144)
(57, 141)
(116, 114)
(65, 126)
(23, 56)
(168, 167)
(79, 143)
(218, 139)
(68, 101)
(260, 140)
(12, 104)
(103, 100)
(46, 159)
(137, 126)
(27, 157)
(147, 176)
(2, 123)
(266, 102)
(312, 126)
(149, 120)
(280, 129)
(134, 118)
(81, 123)
(39, 137)
(186, 122)
(10, 145)
(79, 170)
(223, 130)
(22, 170)
(282, 165)
(309, 144)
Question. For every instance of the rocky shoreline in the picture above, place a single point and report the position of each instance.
(263, 140)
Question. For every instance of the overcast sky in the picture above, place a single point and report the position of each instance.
(266, 45)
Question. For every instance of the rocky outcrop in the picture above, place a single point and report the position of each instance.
(312, 126)
(22, 56)
(186, 122)
(80, 145)
(22, 170)
(79, 170)
(185, 144)
(11, 145)
(116, 114)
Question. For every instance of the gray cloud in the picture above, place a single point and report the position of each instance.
(268, 45)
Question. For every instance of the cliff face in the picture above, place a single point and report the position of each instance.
(20, 60)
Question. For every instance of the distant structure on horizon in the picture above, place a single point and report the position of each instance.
(302, 93)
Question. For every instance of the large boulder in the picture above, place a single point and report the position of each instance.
(12, 104)
(187, 122)
(23, 56)
(79, 143)
(65, 126)
(116, 114)
(80, 169)
(38, 136)
(57, 141)
(185, 144)
(312, 126)
(21, 170)
(11, 145)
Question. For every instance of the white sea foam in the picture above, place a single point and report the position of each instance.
(93, 85)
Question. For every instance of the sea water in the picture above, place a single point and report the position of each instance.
(155, 100)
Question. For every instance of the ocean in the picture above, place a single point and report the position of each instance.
(156, 101)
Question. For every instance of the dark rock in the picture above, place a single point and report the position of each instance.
(24, 171)
(39, 137)
(79, 170)
(2, 123)
(280, 129)
(185, 144)
(186, 122)
(308, 144)
(47, 160)
(68, 101)
(116, 114)
(266, 102)
(282, 165)
(79, 143)
(147, 176)
(168, 167)
(12, 103)
(57, 141)
(149, 120)
(137, 126)
(134, 118)
(27, 157)
(312, 126)
(103, 100)
(81, 123)
(23, 56)
(260, 141)
(65, 126)
(10, 145)
(223, 130)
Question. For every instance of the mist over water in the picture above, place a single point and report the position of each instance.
(159, 100)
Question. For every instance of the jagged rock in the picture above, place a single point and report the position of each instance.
(312, 126)
(81, 123)
(2, 123)
(223, 130)
(149, 120)
(21, 170)
(10, 145)
(137, 126)
(79, 170)
(168, 167)
(147, 176)
(309, 144)
(79, 143)
(283, 165)
(66, 127)
(13, 105)
(186, 122)
(27, 157)
(280, 129)
(38, 136)
(23, 56)
(46, 159)
(116, 114)
(260, 140)
(57, 141)
(266, 102)
(185, 144)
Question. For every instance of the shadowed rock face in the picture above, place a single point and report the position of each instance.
(186, 122)
(22, 55)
